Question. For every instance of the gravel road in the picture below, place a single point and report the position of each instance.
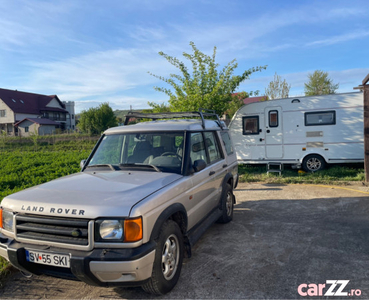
(282, 236)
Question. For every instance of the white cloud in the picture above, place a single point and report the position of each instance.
(96, 73)
(100, 77)
(360, 34)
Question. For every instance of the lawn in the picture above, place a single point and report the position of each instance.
(337, 174)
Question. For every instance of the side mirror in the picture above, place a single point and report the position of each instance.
(82, 163)
(199, 165)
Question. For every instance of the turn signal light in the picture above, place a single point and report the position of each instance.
(133, 230)
(1, 218)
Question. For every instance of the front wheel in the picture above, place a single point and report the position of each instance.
(313, 163)
(168, 260)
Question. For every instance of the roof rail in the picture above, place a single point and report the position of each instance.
(202, 113)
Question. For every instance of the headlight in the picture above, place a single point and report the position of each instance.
(6, 220)
(111, 230)
(124, 230)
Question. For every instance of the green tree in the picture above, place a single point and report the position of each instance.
(277, 88)
(205, 87)
(158, 108)
(320, 84)
(96, 120)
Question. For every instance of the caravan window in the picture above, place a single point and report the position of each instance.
(250, 125)
(320, 118)
(273, 118)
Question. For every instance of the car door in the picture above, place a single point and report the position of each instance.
(204, 193)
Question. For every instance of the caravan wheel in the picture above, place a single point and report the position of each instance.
(313, 163)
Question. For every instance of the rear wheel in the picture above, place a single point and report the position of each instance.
(227, 205)
(168, 260)
(313, 163)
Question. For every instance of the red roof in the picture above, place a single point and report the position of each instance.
(249, 100)
(40, 121)
(254, 99)
(28, 103)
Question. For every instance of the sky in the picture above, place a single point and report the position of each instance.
(92, 52)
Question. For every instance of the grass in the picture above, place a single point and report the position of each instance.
(332, 175)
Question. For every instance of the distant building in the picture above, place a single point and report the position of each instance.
(254, 99)
(22, 113)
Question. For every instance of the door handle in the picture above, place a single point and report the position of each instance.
(225, 166)
(211, 173)
(261, 139)
(268, 131)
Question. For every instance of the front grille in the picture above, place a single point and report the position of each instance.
(50, 229)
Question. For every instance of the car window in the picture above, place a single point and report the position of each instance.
(160, 149)
(109, 151)
(227, 142)
(197, 147)
(212, 146)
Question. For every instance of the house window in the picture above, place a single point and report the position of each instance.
(72, 116)
(3, 113)
(26, 129)
(250, 125)
(273, 118)
(320, 118)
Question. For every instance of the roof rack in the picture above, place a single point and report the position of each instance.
(202, 113)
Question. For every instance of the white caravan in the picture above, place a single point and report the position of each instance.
(302, 131)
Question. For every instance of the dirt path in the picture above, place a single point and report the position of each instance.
(282, 236)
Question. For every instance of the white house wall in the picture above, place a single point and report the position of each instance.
(20, 117)
(46, 129)
(32, 127)
(9, 115)
(54, 103)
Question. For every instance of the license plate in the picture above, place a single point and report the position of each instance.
(50, 259)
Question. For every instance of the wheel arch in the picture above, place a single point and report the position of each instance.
(228, 179)
(175, 212)
(306, 157)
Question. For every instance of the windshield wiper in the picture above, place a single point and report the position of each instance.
(133, 165)
(102, 165)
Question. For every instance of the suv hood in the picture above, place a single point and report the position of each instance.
(89, 194)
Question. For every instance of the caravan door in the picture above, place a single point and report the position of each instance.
(273, 132)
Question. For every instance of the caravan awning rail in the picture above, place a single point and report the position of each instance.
(202, 114)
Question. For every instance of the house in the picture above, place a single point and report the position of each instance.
(40, 126)
(254, 99)
(23, 113)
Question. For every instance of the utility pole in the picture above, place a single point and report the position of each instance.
(365, 88)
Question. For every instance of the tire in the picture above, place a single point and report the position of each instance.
(313, 163)
(168, 260)
(227, 205)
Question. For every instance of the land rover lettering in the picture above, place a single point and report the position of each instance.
(53, 210)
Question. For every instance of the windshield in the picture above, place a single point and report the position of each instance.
(155, 151)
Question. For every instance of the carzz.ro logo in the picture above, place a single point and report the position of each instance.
(329, 288)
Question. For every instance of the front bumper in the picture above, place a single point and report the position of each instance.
(99, 267)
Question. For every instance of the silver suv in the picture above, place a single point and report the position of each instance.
(144, 196)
